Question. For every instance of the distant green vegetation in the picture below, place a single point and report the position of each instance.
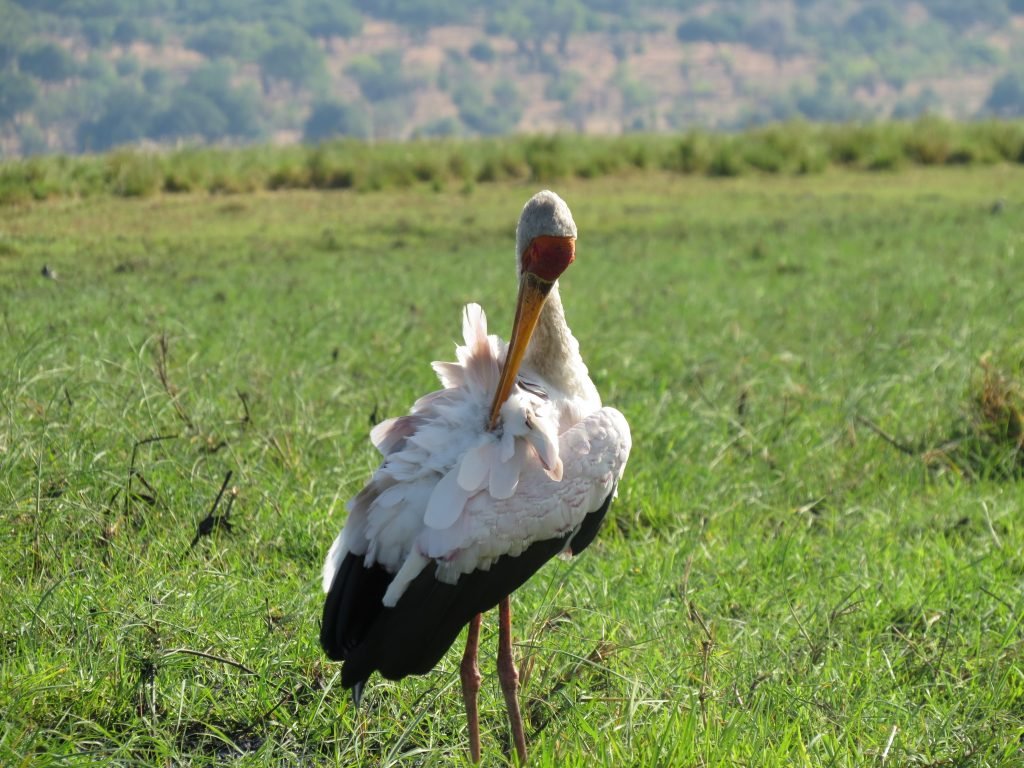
(91, 75)
(793, 148)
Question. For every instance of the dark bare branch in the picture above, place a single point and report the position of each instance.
(213, 520)
(161, 355)
(131, 467)
(899, 446)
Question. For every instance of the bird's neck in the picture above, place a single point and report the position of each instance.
(554, 353)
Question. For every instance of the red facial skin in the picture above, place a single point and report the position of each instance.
(545, 258)
(548, 256)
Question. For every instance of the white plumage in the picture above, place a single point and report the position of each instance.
(454, 493)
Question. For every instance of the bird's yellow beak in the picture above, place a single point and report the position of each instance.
(547, 256)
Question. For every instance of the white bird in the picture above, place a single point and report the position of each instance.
(513, 462)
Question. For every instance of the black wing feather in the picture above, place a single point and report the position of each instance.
(352, 606)
(589, 527)
(411, 637)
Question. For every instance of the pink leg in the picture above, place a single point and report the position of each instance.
(509, 678)
(470, 674)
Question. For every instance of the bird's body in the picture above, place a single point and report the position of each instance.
(509, 464)
(452, 499)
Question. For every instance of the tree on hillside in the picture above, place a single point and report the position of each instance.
(48, 62)
(491, 117)
(17, 93)
(127, 67)
(331, 18)
(438, 128)
(559, 18)
(14, 31)
(128, 30)
(97, 8)
(716, 27)
(419, 15)
(334, 118)
(770, 35)
(155, 80)
(828, 102)
(482, 51)
(563, 86)
(240, 105)
(31, 140)
(1007, 97)
(923, 103)
(532, 23)
(296, 60)
(380, 77)
(125, 118)
(189, 115)
(961, 14)
(97, 70)
(638, 99)
(98, 32)
(874, 26)
(222, 38)
(628, 8)
(871, 20)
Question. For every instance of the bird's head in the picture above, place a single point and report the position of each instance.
(546, 246)
(545, 237)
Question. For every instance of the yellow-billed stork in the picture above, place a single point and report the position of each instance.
(513, 462)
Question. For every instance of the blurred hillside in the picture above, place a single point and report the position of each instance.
(86, 75)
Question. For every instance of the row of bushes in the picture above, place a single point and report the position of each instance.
(791, 148)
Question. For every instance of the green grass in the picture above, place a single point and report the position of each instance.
(778, 584)
(794, 148)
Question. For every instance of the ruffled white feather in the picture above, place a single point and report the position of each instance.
(453, 493)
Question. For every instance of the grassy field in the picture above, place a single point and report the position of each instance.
(792, 148)
(817, 556)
